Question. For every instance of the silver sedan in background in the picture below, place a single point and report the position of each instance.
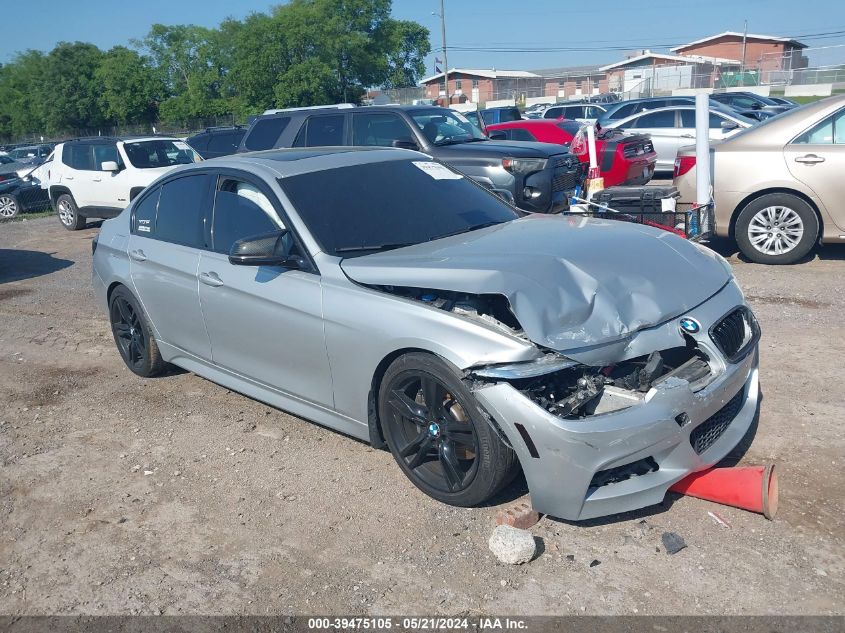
(673, 127)
(386, 296)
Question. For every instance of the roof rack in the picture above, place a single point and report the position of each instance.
(337, 106)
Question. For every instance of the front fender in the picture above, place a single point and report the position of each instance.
(365, 326)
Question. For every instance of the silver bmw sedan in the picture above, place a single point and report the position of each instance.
(386, 296)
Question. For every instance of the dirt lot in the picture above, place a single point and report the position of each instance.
(121, 495)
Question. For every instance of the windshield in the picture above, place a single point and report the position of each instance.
(160, 153)
(445, 127)
(5, 160)
(362, 209)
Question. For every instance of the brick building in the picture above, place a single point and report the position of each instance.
(762, 53)
(479, 86)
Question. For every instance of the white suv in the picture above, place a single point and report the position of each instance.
(98, 177)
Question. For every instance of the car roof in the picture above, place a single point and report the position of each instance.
(721, 111)
(528, 122)
(92, 140)
(280, 163)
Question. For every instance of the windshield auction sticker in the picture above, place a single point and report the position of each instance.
(436, 170)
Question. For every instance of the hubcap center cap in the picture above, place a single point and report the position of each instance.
(434, 429)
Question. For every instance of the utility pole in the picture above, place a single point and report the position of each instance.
(445, 57)
(742, 61)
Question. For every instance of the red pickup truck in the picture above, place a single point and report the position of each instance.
(623, 159)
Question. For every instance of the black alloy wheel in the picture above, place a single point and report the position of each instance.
(438, 435)
(133, 335)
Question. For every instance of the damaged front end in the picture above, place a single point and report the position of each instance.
(573, 391)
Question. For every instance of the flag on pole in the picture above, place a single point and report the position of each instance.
(438, 60)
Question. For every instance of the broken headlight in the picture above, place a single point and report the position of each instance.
(530, 369)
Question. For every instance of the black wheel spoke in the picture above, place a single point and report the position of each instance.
(414, 445)
(122, 330)
(140, 344)
(133, 350)
(408, 408)
(422, 453)
(451, 468)
(432, 395)
(121, 308)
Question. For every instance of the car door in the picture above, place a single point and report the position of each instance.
(264, 322)
(77, 173)
(817, 158)
(665, 135)
(168, 232)
(111, 188)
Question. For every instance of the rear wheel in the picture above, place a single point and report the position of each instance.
(778, 228)
(438, 435)
(9, 206)
(68, 213)
(133, 335)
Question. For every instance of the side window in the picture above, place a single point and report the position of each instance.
(180, 211)
(223, 143)
(144, 214)
(624, 111)
(664, 119)
(553, 113)
(240, 210)
(325, 130)
(830, 131)
(266, 132)
(104, 153)
(78, 156)
(379, 129)
(518, 134)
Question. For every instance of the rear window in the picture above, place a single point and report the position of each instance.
(159, 153)
(180, 211)
(78, 157)
(265, 133)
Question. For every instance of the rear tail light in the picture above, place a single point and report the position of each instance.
(683, 164)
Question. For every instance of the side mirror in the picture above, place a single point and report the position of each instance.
(109, 165)
(757, 106)
(497, 135)
(727, 126)
(405, 142)
(269, 249)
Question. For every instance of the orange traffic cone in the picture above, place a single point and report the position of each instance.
(753, 488)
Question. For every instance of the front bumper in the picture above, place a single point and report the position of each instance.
(569, 453)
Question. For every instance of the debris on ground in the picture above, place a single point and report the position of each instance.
(512, 545)
(719, 519)
(595, 563)
(673, 542)
(519, 515)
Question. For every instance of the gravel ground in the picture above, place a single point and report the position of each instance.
(174, 495)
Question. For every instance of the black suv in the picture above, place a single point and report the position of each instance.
(537, 177)
(217, 141)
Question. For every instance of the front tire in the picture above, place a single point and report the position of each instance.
(133, 335)
(778, 228)
(9, 206)
(68, 213)
(438, 435)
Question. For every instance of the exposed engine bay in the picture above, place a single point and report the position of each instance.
(575, 391)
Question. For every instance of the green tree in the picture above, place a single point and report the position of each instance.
(72, 91)
(407, 46)
(23, 97)
(130, 87)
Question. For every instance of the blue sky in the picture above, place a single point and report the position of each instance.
(655, 24)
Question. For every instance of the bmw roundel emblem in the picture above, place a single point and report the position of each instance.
(690, 325)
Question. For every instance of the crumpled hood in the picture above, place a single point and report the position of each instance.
(571, 282)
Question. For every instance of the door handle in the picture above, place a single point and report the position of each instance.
(97, 179)
(687, 135)
(138, 255)
(211, 279)
(809, 159)
(68, 177)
